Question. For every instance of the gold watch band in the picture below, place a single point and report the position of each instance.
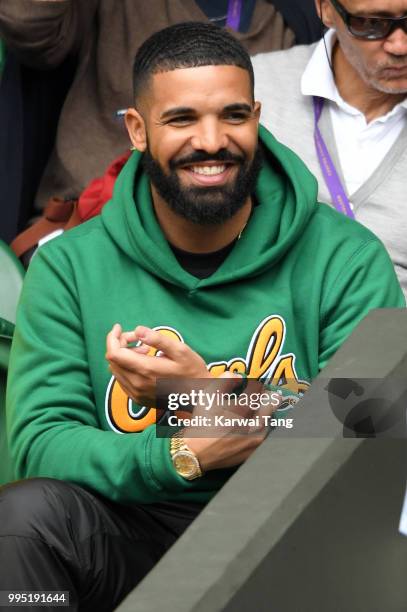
(185, 461)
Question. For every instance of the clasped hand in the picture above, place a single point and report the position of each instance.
(137, 370)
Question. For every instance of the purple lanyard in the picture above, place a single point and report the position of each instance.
(339, 198)
(234, 12)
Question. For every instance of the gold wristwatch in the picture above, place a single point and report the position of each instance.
(184, 459)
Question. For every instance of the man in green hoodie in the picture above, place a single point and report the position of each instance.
(215, 257)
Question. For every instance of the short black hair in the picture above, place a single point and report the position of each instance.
(188, 45)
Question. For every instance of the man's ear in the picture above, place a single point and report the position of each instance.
(136, 128)
(324, 10)
(257, 110)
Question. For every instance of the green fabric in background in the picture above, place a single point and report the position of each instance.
(6, 334)
(2, 56)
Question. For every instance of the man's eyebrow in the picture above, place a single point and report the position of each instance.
(178, 110)
(230, 108)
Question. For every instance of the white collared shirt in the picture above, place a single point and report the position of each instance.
(361, 146)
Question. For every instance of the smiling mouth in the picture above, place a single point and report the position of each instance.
(209, 173)
(208, 170)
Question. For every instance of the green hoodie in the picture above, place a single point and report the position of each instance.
(287, 296)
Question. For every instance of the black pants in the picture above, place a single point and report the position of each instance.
(60, 537)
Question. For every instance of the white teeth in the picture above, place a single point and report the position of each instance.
(208, 170)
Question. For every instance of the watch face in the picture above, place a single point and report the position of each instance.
(186, 464)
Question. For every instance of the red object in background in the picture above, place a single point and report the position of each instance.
(100, 190)
(63, 214)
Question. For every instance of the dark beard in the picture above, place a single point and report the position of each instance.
(204, 205)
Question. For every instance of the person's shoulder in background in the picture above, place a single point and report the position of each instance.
(286, 67)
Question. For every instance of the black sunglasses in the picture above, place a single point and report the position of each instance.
(369, 28)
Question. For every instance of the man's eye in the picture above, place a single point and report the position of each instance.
(236, 117)
(181, 120)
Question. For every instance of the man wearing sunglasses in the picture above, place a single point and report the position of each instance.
(341, 104)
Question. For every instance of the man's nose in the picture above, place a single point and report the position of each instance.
(210, 136)
(396, 42)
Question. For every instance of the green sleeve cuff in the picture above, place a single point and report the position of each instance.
(160, 467)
